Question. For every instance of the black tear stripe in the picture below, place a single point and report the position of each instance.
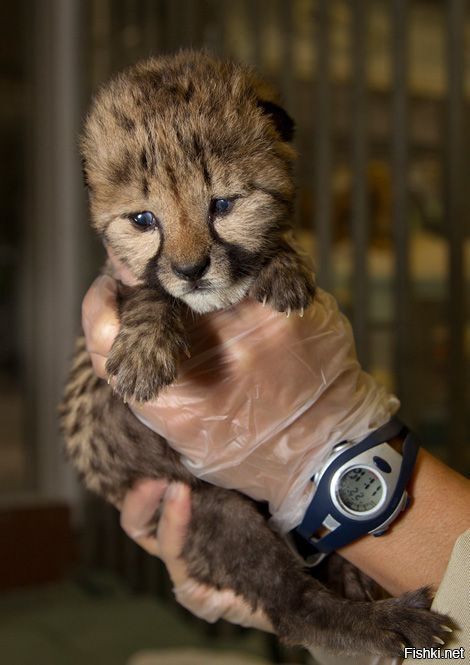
(150, 273)
(242, 262)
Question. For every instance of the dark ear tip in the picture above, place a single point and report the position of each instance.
(282, 120)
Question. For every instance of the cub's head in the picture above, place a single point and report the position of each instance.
(188, 163)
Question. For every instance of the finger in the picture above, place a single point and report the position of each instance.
(239, 611)
(227, 323)
(120, 271)
(211, 605)
(149, 544)
(139, 507)
(172, 530)
(99, 365)
(100, 319)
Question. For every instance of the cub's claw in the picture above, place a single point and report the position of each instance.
(284, 292)
(286, 283)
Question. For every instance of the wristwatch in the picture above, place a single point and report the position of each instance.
(361, 489)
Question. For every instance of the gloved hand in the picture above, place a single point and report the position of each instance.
(262, 400)
(138, 510)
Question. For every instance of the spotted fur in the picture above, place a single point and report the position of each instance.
(169, 136)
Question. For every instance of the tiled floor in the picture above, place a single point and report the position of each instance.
(97, 624)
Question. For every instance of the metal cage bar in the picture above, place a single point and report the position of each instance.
(169, 24)
(360, 215)
(454, 205)
(254, 11)
(53, 273)
(323, 156)
(285, 16)
(399, 159)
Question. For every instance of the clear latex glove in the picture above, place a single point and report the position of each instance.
(262, 400)
(138, 510)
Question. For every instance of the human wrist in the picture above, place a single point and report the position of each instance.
(416, 550)
(360, 489)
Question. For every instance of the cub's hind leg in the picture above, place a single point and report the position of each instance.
(230, 545)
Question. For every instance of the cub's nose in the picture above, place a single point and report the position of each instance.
(192, 271)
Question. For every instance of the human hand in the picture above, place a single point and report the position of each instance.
(263, 398)
(138, 510)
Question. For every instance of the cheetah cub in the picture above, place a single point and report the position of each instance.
(188, 163)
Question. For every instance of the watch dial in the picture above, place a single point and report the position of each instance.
(360, 489)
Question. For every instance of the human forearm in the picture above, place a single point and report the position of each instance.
(416, 550)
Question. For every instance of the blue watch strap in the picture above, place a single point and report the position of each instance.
(350, 530)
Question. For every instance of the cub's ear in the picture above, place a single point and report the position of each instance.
(281, 119)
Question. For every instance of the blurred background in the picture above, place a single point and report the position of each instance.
(381, 95)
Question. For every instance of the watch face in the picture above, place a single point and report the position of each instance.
(360, 489)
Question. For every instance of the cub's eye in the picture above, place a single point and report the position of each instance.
(220, 207)
(144, 220)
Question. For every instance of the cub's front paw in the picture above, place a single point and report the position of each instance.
(284, 287)
(140, 368)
